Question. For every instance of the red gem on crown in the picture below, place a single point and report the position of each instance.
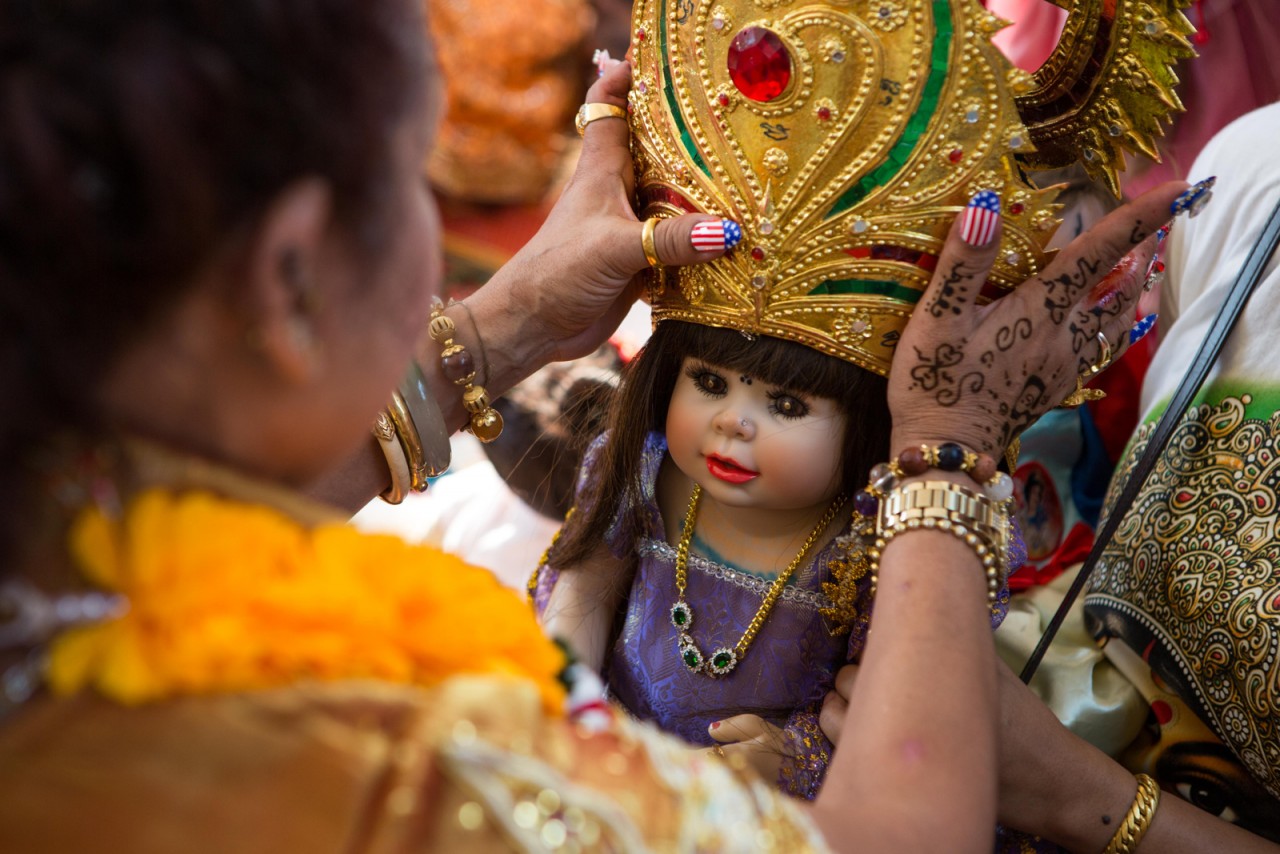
(759, 64)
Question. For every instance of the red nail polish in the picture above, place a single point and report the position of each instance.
(715, 725)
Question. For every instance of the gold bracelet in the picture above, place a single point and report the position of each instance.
(401, 478)
(980, 522)
(1137, 820)
(459, 368)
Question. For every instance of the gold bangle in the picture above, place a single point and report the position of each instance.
(401, 478)
(459, 368)
(407, 433)
(980, 522)
(647, 244)
(1138, 820)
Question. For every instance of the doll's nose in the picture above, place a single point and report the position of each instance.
(730, 422)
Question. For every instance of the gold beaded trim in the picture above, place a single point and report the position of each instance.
(1138, 819)
(486, 422)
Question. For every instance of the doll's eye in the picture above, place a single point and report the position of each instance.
(788, 406)
(707, 381)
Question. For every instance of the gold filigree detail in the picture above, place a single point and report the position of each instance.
(721, 21)
(833, 50)
(854, 327)
(777, 162)
(1195, 565)
(886, 16)
(383, 428)
(848, 566)
(693, 286)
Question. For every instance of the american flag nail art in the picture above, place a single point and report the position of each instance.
(980, 218)
(716, 235)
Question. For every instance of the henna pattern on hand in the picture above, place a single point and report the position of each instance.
(1031, 400)
(971, 383)
(1138, 233)
(930, 373)
(947, 299)
(1062, 292)
(1007, 336)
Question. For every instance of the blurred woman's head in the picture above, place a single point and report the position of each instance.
(210, 214)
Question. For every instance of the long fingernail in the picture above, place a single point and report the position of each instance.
(601, 59)
(716, 235)
(1141, 328)
(978, 227)
(1155, 274)
(1194, 198)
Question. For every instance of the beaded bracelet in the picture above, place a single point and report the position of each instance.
(980, 522)
(1136, 822)
(459, 368)
(945, 457)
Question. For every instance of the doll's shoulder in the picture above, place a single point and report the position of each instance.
(651, 456)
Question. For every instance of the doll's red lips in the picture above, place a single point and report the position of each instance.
(729, 470)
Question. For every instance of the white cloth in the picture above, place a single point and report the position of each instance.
(471, 513)
(1203, 256)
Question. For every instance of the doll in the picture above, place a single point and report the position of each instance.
(774, 439)
(718, 559)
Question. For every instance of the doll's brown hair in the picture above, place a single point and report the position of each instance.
(640, 407)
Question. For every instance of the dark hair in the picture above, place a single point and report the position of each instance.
(137, 137)
(645, 393)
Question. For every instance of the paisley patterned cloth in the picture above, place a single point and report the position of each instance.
(783, 677)
(1192, 579)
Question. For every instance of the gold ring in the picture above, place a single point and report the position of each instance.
(588, 113)
(1104, 358)
(719, 751)
(646, 243)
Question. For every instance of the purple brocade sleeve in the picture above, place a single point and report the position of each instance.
(620, 537)
(540, 587)
(1017, 557)
(806, 753)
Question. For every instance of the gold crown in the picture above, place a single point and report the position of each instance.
(845, 135)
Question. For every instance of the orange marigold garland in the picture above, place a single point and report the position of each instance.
(225, 597)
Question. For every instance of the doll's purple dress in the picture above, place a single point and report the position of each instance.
(786, 671)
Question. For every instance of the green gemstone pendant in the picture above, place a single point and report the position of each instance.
(681, 616)
(723, 660)
(692, 658)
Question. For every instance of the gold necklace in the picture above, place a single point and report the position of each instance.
(724, 659)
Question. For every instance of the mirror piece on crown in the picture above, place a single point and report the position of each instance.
(845, 136)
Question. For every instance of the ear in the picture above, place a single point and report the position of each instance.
(281, 278)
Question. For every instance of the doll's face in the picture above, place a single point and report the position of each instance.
(751, 444)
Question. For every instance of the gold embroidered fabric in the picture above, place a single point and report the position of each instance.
(1192, 578)
(372, 768)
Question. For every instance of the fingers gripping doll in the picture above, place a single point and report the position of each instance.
(716, 565)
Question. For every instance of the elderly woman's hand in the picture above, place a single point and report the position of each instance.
(979, 376)
(574, 281)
